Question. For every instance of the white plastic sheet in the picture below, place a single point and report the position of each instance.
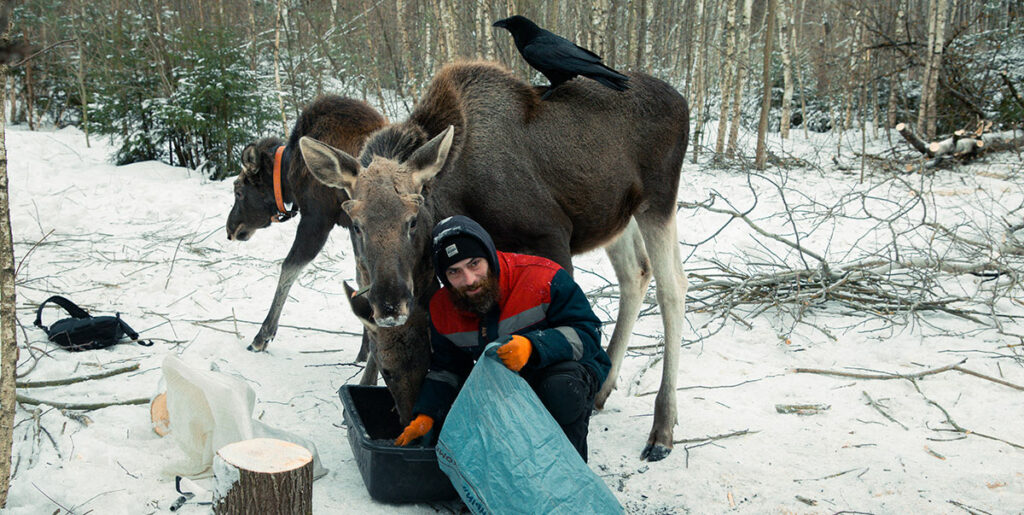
(209, 410)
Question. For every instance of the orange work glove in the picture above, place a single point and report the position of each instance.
(516, 352)
(418, 427)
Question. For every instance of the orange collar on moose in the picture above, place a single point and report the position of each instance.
(283, 213)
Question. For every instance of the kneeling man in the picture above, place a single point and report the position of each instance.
(553, 337)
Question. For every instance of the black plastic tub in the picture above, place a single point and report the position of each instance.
(391, 473)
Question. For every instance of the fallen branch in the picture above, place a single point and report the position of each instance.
(1013, 91)
(716, 437)
(878, 408)
(73, 380)
(801, 409)
(830, 476)
(877, 376)
(957, 428)
(969, 509)
(84, 406)
(955, 366)
(990, 378)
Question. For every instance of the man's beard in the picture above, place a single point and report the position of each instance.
(483, 302)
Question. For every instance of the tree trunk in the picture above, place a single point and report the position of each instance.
(743, 57)
(277, 68)
(726, 83)
(29, 95)
(926, 78)
(483, 23)
(264, 476)
(81, 77)
(404, 50)
(642, 26)
(610, 34)
(936, 58)
(599, 26)
(799, 69)
(852, 73)
(700, 48)
(447, 28)
(895, 82)
(8, 340)
(766, 85)
(787, 68)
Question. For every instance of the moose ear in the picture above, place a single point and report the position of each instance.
(250, 161)
(427, 160)
(360, 306)
(331, 166)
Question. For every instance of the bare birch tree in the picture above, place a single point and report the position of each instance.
(277, 62)
(895, 78)
(8, 336)
(766, 85)
(933, 63)
(787, 67)
(598, 25)
(725, 83)
(742, 60)
(700, 48)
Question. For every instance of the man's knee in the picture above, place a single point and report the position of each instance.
(566, 394)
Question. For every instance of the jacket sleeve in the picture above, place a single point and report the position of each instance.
(573, 331)
(449, 368)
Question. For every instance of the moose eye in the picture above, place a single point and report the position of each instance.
(356, 229)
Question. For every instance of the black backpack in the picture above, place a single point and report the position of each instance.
(83, 331)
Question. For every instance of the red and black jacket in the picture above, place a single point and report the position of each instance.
(539, 300)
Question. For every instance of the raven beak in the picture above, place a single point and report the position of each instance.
(499, 23)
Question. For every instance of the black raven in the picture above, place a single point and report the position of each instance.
(558, 58)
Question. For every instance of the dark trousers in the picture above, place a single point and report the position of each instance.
(567, 390)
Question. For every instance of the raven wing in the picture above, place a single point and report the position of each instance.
(557, 53)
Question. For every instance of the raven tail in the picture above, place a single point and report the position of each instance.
(612, 82)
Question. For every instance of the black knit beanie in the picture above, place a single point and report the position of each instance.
(456, 248)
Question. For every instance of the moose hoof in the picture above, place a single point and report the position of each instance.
(258, 345)
(655, 452)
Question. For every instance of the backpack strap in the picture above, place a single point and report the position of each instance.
(131, 333)
(68, 306)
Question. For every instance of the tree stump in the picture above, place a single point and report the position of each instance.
(263, 475)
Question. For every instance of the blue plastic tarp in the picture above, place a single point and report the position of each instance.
(504, 453)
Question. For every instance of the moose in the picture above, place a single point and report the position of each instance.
(342, 122)
(587, 168)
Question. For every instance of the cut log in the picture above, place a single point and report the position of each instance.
(159, 415)
(962, 144)
(956, 145)
(263, 475)
(908, 134)
(1004, 140)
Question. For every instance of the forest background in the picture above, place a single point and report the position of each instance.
(191, 82)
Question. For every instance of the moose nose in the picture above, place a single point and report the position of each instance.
(392, 321)
(391, 314)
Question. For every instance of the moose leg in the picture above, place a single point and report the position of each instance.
(369, 377)
(310, 237)
(633, 269)
(659, 235)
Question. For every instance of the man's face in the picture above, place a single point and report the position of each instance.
(475, 288)
(467, 276)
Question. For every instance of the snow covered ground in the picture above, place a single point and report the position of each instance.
(148, 240)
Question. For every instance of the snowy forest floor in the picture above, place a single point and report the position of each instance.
(148, 240)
